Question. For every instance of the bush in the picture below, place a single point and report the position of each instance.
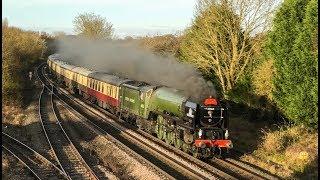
(292, 44)
(294, 147)
(20, 50)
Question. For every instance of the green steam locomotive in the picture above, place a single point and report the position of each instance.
(199, 129)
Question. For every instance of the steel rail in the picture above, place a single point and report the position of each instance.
(42, 158)
(97, 130)
(41, 120)
(74, 150)
(11, 152)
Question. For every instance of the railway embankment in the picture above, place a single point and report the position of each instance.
(284, 150)
(23, 124)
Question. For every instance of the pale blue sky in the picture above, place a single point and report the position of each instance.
(129, 17)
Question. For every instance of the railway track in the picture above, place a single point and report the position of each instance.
(95, 130)
(68, 157)
(39, 166)
(235, 160)
(229, 165)
(216, 168)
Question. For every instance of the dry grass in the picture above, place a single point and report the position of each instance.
(13, 115)
(294, 148)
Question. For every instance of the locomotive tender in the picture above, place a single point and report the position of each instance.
(200, 129)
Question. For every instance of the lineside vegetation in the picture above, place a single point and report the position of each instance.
(20, 51)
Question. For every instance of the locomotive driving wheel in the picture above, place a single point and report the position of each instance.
(169, 137)
(196, 152)
(177, 142)
(185, 148)
(159, 127)
(222, 153)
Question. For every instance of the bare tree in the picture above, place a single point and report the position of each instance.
(92, 26)
(224, 37)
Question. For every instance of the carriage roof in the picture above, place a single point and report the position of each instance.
(55, 57)
(83, 71)
(67, 66)
(115, 80)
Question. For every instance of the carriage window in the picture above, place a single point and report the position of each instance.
(98, 86)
